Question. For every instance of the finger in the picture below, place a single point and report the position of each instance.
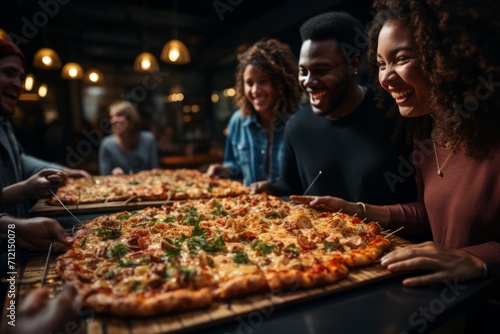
(35, 300)
(428, 279)
(420, 263)
(302, 199)
(59, 233)
(426, 249)
(55, 180)
(60, 248)
(58, 313)
(50, 171)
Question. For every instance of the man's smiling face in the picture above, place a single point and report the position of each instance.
(11, 83)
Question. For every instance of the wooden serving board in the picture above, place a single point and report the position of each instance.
(29, 273)
(41, 208)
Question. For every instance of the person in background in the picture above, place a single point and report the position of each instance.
(15, 165)
(440, 61)
(128, 150)
(267, 94)
(341, 133)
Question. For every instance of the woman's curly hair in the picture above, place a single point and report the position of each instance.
(276, 60)
(458, 41)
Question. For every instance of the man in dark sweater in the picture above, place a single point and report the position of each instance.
(341, 133)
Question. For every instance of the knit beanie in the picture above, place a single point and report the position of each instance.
(7, 48)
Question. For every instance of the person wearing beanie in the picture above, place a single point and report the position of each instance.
(22, 177)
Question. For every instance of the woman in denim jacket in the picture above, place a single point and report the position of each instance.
(267, 93)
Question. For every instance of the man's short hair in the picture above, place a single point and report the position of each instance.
(338, 26)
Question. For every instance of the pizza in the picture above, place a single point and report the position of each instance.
(150, 185)
(191, 254)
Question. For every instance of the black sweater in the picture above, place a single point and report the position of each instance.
(358, 159)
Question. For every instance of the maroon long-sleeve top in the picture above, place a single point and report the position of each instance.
(462, 206)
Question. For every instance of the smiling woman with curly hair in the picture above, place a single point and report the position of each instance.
(457, 42)
(267, 92)
(440, 61)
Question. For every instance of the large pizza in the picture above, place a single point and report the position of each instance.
(150, 185)
(193, 253)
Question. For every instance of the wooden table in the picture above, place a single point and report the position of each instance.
(251, 310)
(189, 161)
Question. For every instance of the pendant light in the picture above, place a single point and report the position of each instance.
(46, 58)
(146, 61)
(94, 76)
(29, 82)
(72, 71)
(175, 52)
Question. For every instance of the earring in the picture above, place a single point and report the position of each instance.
(356, 71)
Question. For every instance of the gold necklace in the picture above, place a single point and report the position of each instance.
(445, 163)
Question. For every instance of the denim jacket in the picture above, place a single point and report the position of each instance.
(245, 151)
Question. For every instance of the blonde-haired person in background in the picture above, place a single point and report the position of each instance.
(267, 93)
(128, 149)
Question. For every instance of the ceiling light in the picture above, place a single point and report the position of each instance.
(42, 90)
(174, 51)
(47, 59)
(146, 62)
(94, 76)
(29, 82)
(72, 71)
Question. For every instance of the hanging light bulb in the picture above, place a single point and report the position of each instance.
(47, 59)
(175, 52)
(72, 71)
(29, 82)
(42, 90)
(94, 76)
(146, 62)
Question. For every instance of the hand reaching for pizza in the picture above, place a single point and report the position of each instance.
(323, 202)
(440, 264)
(38, 314)
(38, 185)
(37, 233)
(77, 173)
(219, 171)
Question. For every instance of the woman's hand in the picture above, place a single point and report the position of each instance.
(439, 264)
(261, 187)
(322, 202)
(117, 171)
(217, 170)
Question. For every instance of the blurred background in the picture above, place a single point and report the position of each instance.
(186, 100)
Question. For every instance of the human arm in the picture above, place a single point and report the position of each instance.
(37, 185)
(40, 314)
(229, 167)
(37, 233)
(32, 165)
(378, 213)
(219, 170)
